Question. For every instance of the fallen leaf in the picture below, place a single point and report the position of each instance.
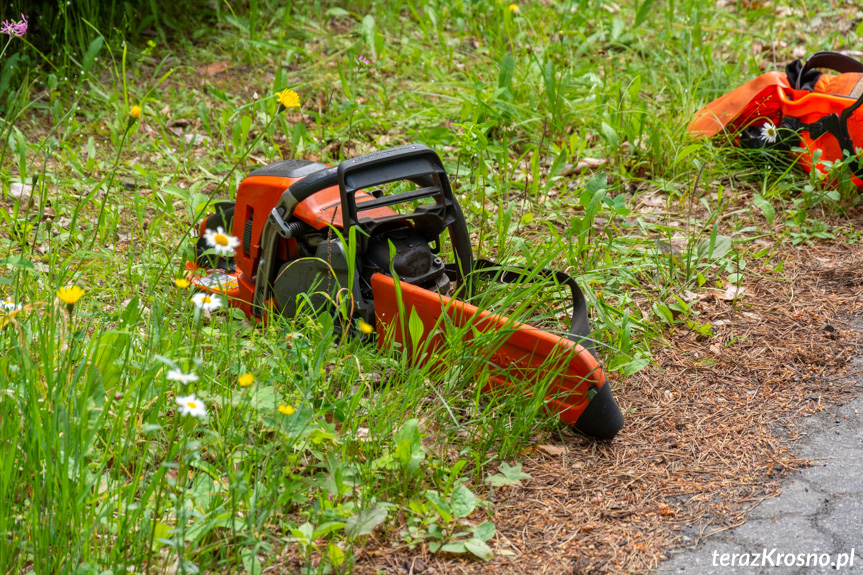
(586, 164)
(666, 511)
(655, 199)
(552, 450)
(214, 68)
(20, 191)
(732, 292)
(689, 296)
(196, 139)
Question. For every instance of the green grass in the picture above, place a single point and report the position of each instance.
(101, 474)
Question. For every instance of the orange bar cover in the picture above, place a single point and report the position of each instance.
(527, 352)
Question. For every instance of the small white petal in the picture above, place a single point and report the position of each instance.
(206, 301)
(768, 132)
(178, 375)
(191, 405)
(222, 242)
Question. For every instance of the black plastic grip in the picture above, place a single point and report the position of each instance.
(313, 183)
(416, 163)
(832, 61)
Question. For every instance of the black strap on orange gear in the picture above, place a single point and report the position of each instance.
(830, 60)
(836, 126)
(804, 77)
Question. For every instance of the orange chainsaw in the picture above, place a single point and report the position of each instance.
(815, 115)
(308, 230)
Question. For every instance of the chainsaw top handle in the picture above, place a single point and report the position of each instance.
(414, 162)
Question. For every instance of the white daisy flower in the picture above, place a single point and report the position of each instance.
(221, 241)
(191, 405)
(184, 378)
(9, 305)
(207, 302)
(769, 132)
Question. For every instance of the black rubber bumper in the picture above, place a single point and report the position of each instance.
(601, 418)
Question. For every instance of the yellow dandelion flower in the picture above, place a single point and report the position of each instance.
(182, 283)
(246, 379)
(288, 99)
(514, 8)
(364, 327)
(286, 409)
(70, 295)
(135, 112)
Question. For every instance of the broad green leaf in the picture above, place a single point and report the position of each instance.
(161, 534)
(686, 151)
(463, 501)
(508, 475)
(664, 313)
(455, 547)
(442, 507)
(327, 528)
(304, 531)
(507, 67)
(765, 206)
(335, 554)
(18, 262)
(610, 135)
(90, 55)
(251, 563)
(336, 12)
(409, 451)
(721, 246)
(367, 31)
(416, 328)
(479, 548)
(484, 531)
(364, 522)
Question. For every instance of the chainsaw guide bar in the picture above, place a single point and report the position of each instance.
(296, 219)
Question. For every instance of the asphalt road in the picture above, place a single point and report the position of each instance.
(815, 525)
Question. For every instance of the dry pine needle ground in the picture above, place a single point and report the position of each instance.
(709, 433)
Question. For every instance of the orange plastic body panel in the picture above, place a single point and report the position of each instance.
(770, 97)
(256, 198)
(849, 84)
(810, 108)
(525, 353)
(711, 119)
(325, 209)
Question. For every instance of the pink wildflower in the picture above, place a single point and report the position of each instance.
(13, 28)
